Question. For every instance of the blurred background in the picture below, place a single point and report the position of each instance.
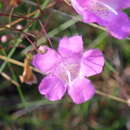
(26, 24)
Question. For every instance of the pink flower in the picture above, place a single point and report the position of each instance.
(107, 13)
(67, 68)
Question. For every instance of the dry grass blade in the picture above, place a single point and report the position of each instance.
(7, 77)
(16, 62)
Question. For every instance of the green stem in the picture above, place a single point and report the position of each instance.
(15, 78)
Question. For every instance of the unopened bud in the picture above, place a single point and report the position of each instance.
(4, 39)
(19, 27)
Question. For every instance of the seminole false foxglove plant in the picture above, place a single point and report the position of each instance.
(107, 13)
(67, 70)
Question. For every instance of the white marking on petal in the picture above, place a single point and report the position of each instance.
(75, 5)
(109, 7)
(69, 76)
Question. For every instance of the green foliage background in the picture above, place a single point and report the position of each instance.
(23, 108)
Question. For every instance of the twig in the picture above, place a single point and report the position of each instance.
(9, 78)
(111, 97)
(44, 31)
(13, 15)
(68, 2)
(16, 62)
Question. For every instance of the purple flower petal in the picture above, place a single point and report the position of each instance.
(107, 13)
(125, 4)
(46, 62)
(52, 88)
(96, 10)
(92, 63)
(122, 29)
(70, 46)
(81, 90)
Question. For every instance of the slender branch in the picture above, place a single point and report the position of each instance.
(13, 15)
(111, 97)
(9, 78)
(68, 2)
(16, 62)
(44, 31)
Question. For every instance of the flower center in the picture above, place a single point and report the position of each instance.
(67, 70)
